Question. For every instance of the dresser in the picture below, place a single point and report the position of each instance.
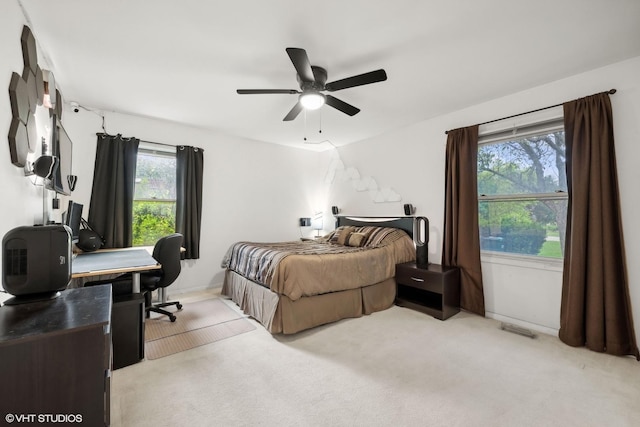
(55, 358)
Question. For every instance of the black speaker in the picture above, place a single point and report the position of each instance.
(89, 240)
(36, 262)
(335, 210)
(45, 166)
(305, 222)
(408, 209)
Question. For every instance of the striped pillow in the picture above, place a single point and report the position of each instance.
(381, 236)
(356, 239)
(341, 234)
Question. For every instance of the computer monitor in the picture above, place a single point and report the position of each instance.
(73, 218)
(62, 181)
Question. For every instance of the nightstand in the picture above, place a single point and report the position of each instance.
(432, 289)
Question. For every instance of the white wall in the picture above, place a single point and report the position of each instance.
(21, 200)
(258, 191)
(251, 190)
(411, 161)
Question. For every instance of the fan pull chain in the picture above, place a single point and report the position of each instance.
(320, 114)
(305, 126)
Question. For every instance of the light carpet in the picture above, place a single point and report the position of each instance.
(397, 367)
(197, 324)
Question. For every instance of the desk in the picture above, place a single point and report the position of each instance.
(110, 261)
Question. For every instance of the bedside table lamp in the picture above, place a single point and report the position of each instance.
(317, 224)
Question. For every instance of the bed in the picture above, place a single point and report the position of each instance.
(292, 286)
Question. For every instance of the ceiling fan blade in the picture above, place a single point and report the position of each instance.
(359, 80)
(263, 91)
(301, 62)
(293, 113)
(341, 105)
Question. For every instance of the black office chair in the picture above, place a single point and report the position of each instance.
(167, 252)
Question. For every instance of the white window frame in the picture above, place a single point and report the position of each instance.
(535, 124)
(159, 150)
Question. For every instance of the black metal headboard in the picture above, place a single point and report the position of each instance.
(405, 223)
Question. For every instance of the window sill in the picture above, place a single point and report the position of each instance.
(525, 261)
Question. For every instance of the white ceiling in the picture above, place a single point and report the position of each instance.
(182, 60)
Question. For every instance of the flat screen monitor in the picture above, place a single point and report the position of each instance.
(61, 147)
(73, 218)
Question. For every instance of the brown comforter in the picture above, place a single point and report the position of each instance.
(298, 269)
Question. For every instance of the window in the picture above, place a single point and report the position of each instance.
(522, 191)
(154, 199)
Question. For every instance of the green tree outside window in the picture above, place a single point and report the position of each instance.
(522, 195)
(154, 204)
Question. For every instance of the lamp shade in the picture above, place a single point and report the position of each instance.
(317, 224)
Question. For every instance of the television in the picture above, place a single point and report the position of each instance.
(73, 218)
(63, 181)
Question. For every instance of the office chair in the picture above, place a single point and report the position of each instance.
(167, 252)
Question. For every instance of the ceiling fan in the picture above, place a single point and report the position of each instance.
(312, 80)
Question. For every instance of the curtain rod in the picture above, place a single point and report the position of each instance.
(148, 142)
(610, 92)
(142, 140)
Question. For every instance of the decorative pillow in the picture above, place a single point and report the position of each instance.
(356, 239)
(341, 233)
(381, 236)
(333, 236)
(343, 237)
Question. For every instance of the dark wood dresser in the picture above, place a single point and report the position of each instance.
(55, 358)
(432, 289)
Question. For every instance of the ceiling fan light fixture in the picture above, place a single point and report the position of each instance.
(312, 100)
(313, 80)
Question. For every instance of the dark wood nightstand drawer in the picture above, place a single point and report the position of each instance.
(417, 278)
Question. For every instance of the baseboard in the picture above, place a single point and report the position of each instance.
(524, 324)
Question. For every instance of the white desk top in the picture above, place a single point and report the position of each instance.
(112, 261)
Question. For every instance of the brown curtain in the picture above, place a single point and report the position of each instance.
(461, 240)
(596, 309)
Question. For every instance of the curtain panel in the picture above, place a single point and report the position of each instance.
(461, 239)
(595, 310)
(189, 169)
(114, 174)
